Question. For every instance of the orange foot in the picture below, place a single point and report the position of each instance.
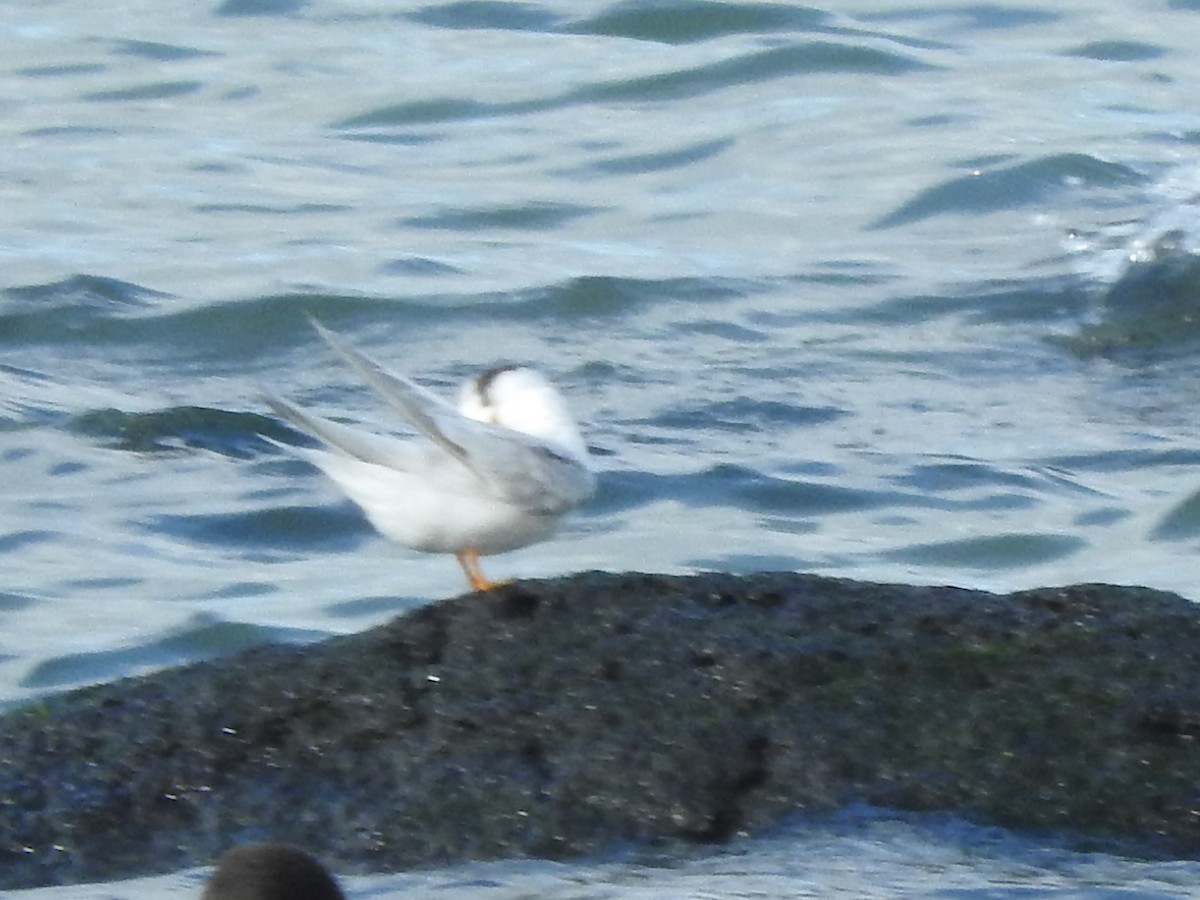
(469, 560)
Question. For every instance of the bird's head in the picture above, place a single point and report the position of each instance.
(522, 399)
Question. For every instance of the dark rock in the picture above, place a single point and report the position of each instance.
(561, 717)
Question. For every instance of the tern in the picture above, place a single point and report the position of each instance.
(494, 473)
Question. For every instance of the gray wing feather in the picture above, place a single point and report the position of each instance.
(421, 408)
(362, 445)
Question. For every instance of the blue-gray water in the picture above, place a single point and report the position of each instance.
(891, 291)
(856, 856)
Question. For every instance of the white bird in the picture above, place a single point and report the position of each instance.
(495, 474)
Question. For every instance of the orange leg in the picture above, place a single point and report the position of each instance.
(469, 560)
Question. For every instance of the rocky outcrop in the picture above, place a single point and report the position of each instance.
(562, 717)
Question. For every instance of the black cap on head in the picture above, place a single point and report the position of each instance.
(270, 872)
(483, 382)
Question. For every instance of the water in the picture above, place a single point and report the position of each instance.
(855, 855)
(892, 292)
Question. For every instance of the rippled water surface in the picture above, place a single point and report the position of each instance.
(900, 292)
(856, 855)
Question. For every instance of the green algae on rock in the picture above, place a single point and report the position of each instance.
(560, 717)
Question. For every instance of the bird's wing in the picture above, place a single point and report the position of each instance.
(523, 470)
(513, 466)
(370, 448)
(421, 408)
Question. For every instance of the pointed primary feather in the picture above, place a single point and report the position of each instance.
(371, 448)
(420, 407)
